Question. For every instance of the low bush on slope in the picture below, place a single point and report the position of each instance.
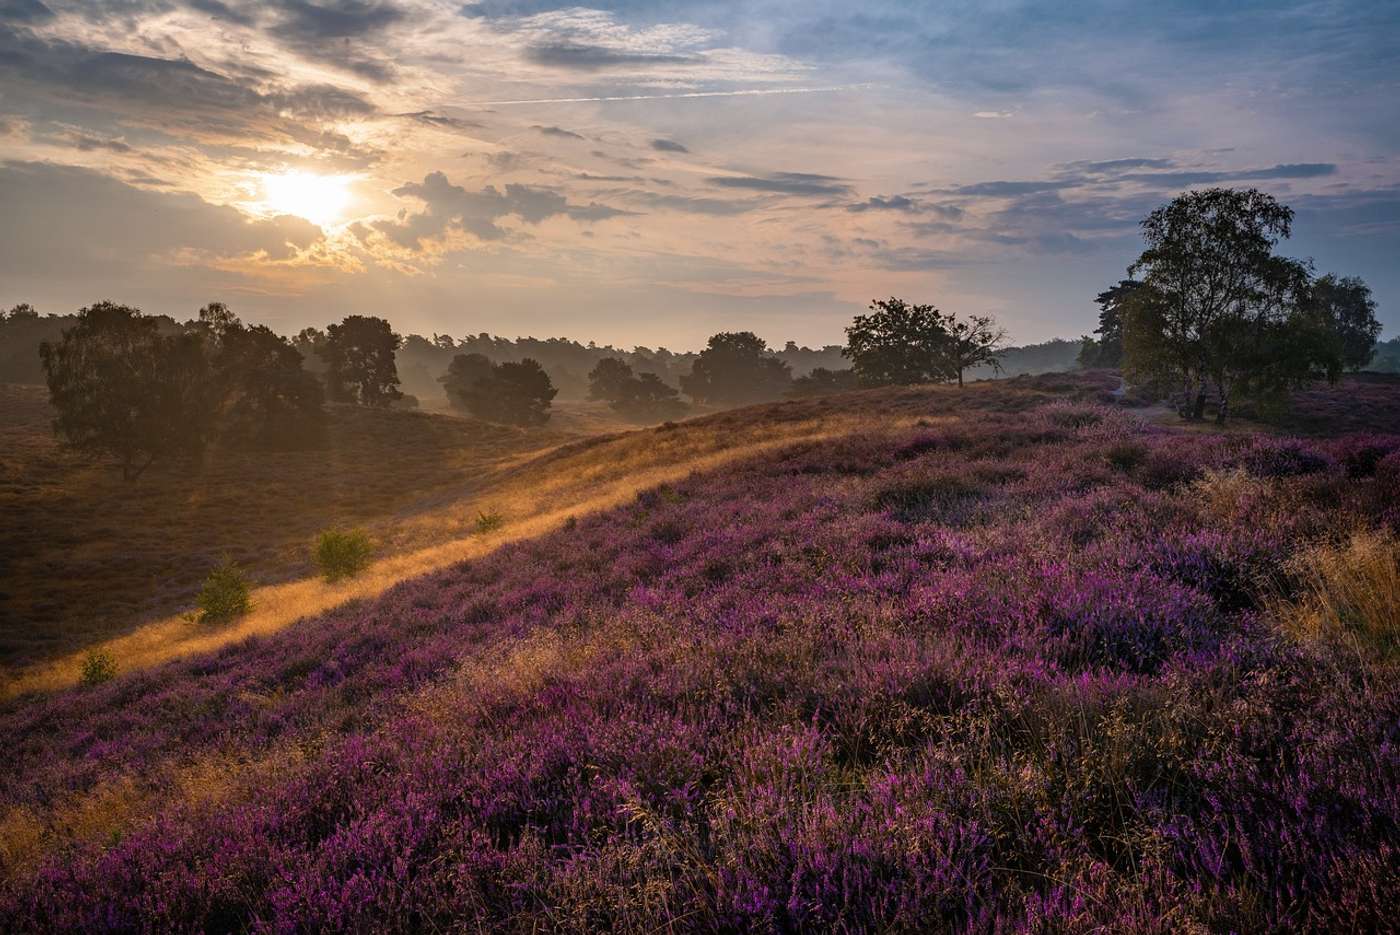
(988, 675)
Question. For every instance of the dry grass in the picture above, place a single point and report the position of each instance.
(85, 555)
(421, 504)
(1349, 592)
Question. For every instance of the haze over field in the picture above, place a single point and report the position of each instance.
(655, 172)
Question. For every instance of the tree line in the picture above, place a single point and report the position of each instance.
(1209, 313)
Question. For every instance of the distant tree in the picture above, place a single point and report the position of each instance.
(309, 343)
(462, 375)
(971, 343)
(123, 389)
(823, 382)
(1345, 304)
(514, 393)
(1107, 350)
(646, 396)
(897, 343)
(21, 312)
(735, 369)
(359, 355)
(607, 379)
(264, 395)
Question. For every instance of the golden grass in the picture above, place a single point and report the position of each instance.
(532, 503)
(1350, 593)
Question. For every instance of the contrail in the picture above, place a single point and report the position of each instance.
(752, 92)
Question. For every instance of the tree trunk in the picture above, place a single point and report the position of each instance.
(960, 382)
(1224, 408)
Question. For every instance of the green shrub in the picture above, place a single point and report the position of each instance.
(342, 553)
(1125, 455)
(224, 594)
(489, 522)
(98, 667)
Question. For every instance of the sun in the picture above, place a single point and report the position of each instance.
(320, 199)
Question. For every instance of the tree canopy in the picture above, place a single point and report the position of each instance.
(121, 388)
(359, 356)
(904, 343)
(516, 393)
(735, 369)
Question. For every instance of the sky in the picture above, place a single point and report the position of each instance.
(650, 173)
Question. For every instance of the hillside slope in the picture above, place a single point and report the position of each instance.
(990, 661)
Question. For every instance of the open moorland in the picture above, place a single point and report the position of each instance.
(1003, 658)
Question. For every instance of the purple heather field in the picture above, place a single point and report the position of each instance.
(1021, 662)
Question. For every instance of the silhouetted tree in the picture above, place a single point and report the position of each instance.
(359, 356)
(735, 369)
(647, 397)
(607, 379)
(264, 394)
(122, 388)
(897, 343)
(1345, 303)
(823, 382)
(971, 343)
(1107, 351)
(462, 375)
(21, 312)
(514, 393)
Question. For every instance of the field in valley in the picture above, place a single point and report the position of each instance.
(1006, 658)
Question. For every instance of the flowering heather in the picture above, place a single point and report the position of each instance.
(1015, 671)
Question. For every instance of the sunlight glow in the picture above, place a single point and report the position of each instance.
(320, 199)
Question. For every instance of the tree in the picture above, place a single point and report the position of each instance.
(462, 375)
(21, 312)
(514, 393)
(647, 397)
(898, 343)
(1207, 256)
(1345, 303)
(1107, 351)
(359, 356)
(123, 389)
(735, 369)
(823, 382)
(607, 379)
(264, 394)
(971, 343)
(1218, 310)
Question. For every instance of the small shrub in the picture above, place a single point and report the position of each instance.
(98, 667)
(488, 522)
(1125, 456)
(224, 594)
(1361, 456)
(342, 553)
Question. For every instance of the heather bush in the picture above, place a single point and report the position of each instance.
(342, 554)
(1286, 458)
(224, 594)
(98, 666)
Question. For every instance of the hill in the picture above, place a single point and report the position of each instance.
(903, 659)
(85, 555)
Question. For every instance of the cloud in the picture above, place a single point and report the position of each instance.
(557, 131)
(85, 226)
(24, 11)
(1304, 170)
(992, 114)
(1002, 189)
(451, 207)
(1113, 166)
(85, 143)
(668, 146)
(596, 57)
(784, 183)
(882, 203)
(431, 119)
